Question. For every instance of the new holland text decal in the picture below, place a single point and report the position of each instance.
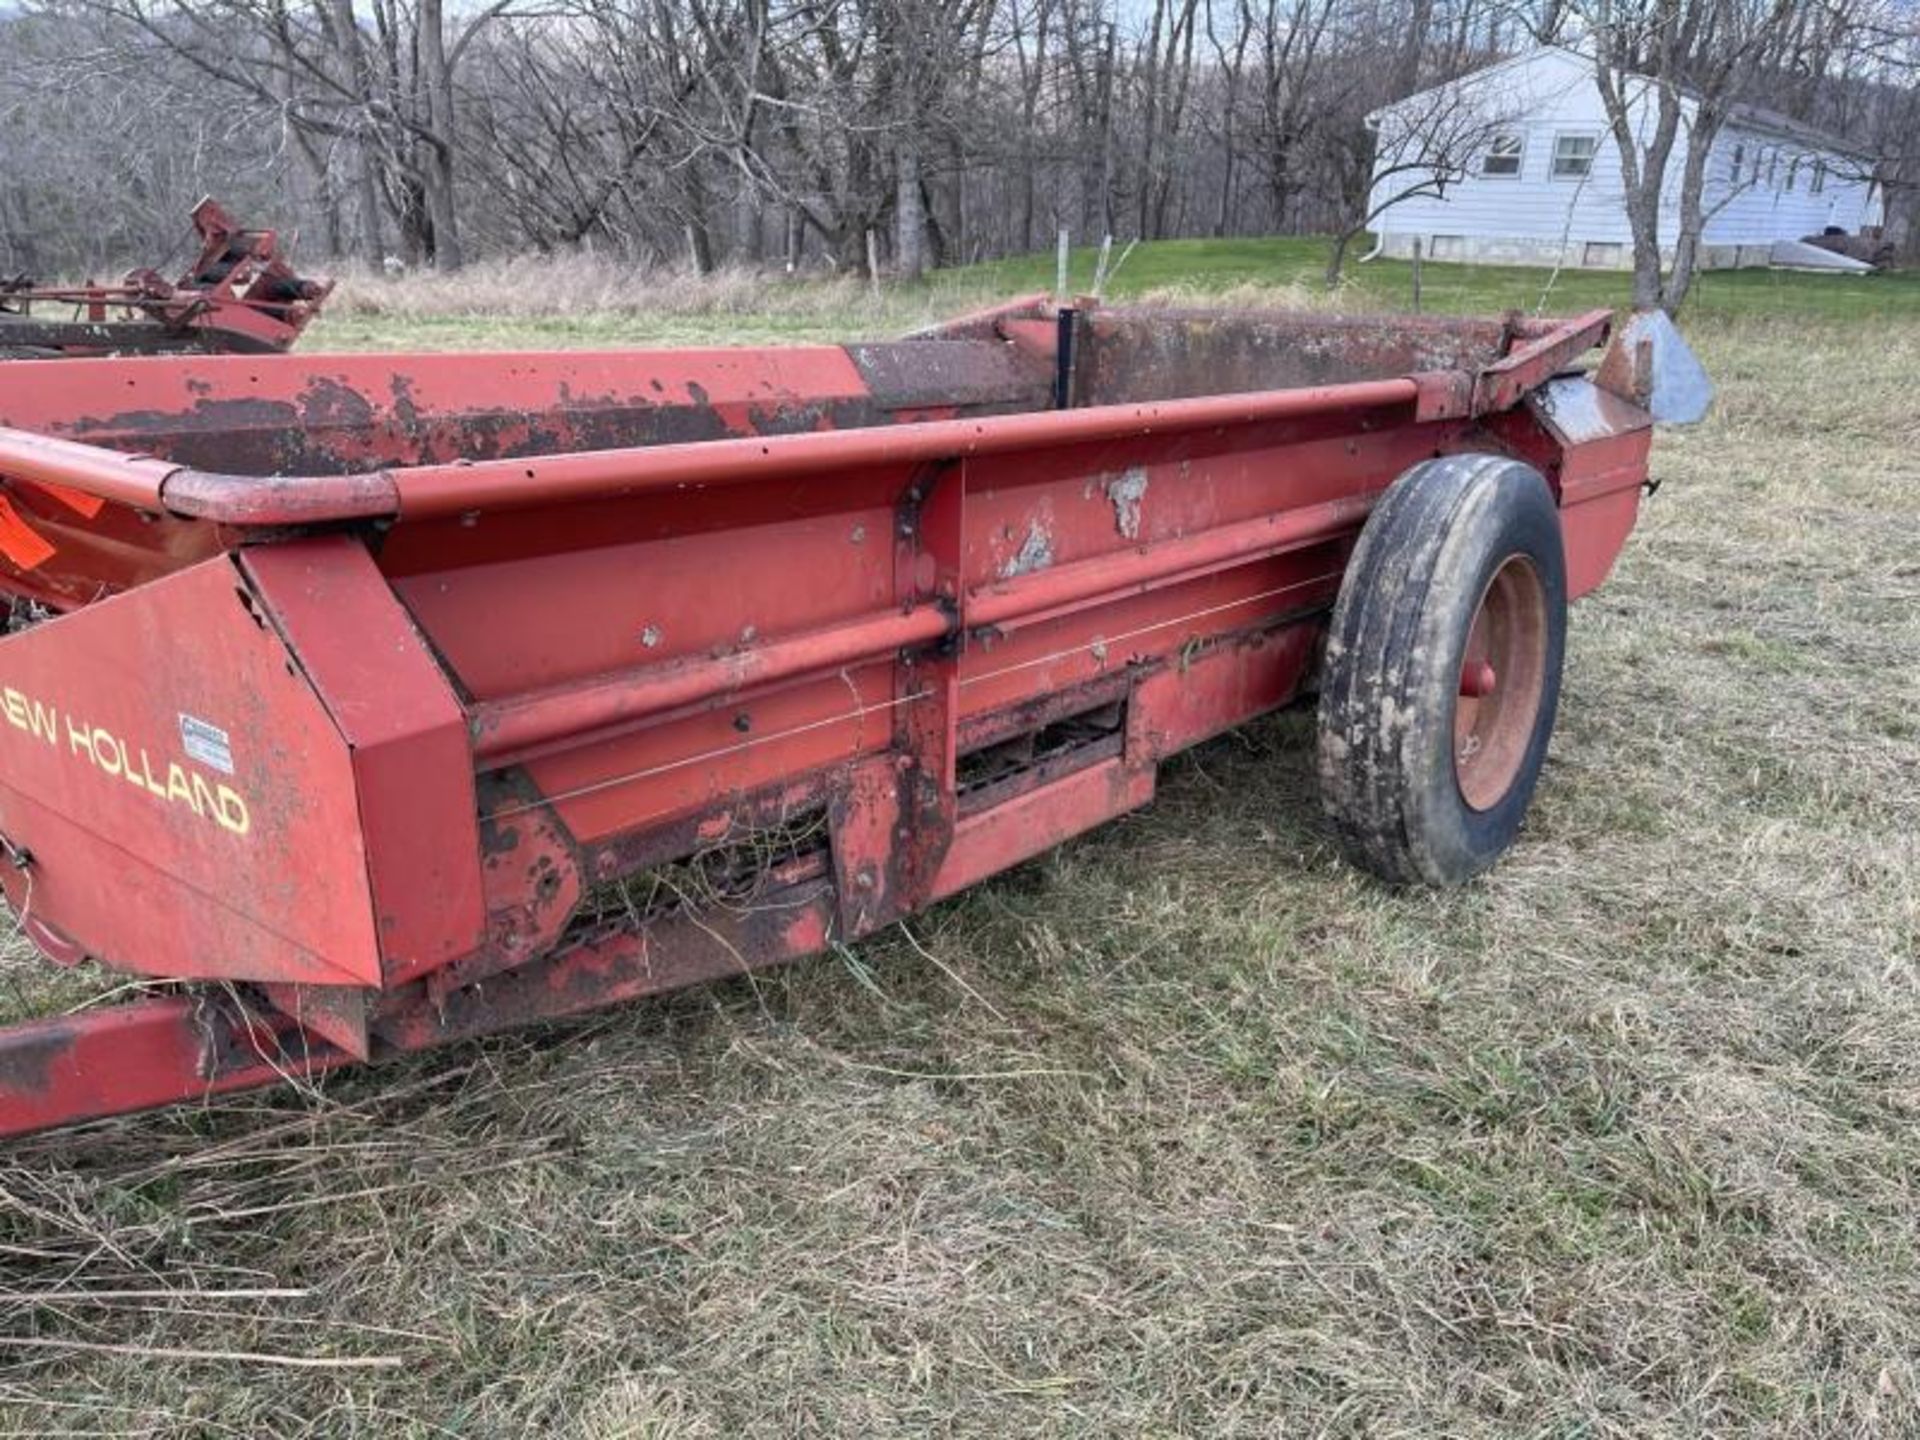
(171, 781)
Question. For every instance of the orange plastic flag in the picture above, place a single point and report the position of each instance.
(77, 501)
(19, 541)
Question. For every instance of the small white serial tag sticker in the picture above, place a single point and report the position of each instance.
(207, 743)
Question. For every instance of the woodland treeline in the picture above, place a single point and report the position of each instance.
(789, 132)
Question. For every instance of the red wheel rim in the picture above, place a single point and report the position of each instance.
(1503, 673)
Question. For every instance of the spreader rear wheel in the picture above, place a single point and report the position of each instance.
(1443, 669)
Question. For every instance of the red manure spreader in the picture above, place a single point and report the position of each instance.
(375, 702)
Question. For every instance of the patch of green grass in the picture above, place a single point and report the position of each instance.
(1289, 260)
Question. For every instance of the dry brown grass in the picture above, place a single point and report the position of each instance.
(589, 300)
(1623, 1141)
(531, 286)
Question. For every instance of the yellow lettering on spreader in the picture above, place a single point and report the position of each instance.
(29, 715)
(169, 781)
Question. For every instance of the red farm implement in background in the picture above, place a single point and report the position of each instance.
(382, 701)
(239, 297)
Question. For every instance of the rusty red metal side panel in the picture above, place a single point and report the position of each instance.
(412, 759)
(894, 819)
(1593, 448)
(867, 829)
(136, 1056)
(311, 416)
(1595, 532)
(335, 1013)
(1214, 691)
(674, 951)
(1033, 823)
(188, 804)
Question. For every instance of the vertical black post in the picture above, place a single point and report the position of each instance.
(1063, 358)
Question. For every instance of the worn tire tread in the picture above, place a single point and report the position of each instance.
(1373, 747)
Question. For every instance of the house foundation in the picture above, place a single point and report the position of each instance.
(1568, 255)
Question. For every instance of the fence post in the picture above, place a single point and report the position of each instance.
(1416, 276)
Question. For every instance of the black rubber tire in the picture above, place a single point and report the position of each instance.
(1393, 664)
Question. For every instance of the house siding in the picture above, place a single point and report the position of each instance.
(1757, 214)
(1533, 218)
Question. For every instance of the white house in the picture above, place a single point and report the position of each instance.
(1533, 173)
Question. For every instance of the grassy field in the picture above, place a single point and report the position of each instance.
(1186, 1128)
(527, 303)
(1301, 261)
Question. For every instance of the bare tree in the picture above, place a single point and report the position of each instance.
(1668, 71)
(1422, 147)
(709, 132)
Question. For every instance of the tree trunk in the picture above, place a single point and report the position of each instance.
(1024, 241)
(416, 230)
(362, 150)
(437, 174)
(1337, 257)
(699, 233)
(909, 210)
(746, 216)
(1150, 125)
(1693, 217)
(306, 178)
(370, 233)
(1643, 218)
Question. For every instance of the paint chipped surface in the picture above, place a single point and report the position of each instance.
(1035, 552)
(1126, 491)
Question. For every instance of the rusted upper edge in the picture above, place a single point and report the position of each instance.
(432, 491)
(463, 487)
(280, 500)
(146, 483)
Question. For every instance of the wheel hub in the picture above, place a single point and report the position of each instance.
(1502, 678)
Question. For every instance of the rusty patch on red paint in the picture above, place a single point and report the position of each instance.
(1171, 354)
(531, 874)
(27, 1056)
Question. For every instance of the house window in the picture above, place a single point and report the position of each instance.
(1503, 156)
(1573, 156)
(1739, 162)
(1819, 177)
